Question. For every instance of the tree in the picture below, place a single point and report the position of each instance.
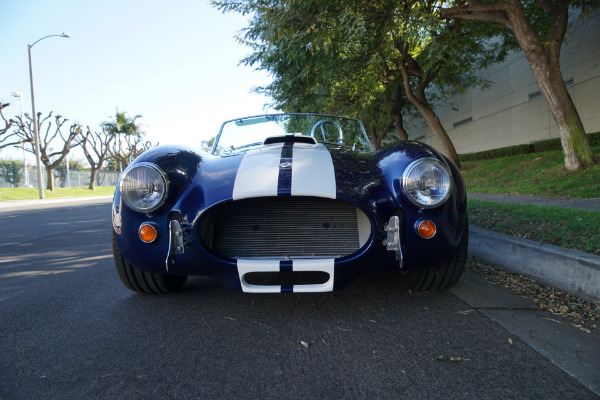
(50, 158)
(12, 171)
(8, 138)
(126, 151)
(539, 28)
(345, 54)
(122, 125)
(314, 69)
(96, 147)
(430, 58)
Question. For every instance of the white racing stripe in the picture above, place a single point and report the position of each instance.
(312, 171)
(258, 173)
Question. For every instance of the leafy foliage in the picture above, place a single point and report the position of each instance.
(74, 165)
(356, 58)
(129, 138)
(11, 171)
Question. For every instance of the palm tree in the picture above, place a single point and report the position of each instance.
(122, 125)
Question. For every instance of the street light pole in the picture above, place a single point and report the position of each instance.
(20, 96)
(35, 119)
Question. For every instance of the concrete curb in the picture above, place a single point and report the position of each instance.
(573, 271)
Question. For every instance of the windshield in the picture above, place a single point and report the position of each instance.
(244, 133)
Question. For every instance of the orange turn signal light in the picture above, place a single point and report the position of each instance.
(148, 233)
(426, 229)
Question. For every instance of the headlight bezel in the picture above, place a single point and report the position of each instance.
(128, 174)
(406, 176)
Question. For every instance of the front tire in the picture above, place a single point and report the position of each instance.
(141, 281)
(446, 273)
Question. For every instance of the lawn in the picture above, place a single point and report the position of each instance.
(575, 229)
(32, 193)
(538, 174)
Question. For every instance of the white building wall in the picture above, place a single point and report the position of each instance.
(504, 115)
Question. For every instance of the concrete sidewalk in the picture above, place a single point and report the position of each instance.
(574, 351)
(573, 271)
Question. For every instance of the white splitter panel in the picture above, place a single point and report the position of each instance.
(257, 265)
(322, 265)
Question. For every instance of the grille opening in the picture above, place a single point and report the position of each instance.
(284, 228)
(286, 278)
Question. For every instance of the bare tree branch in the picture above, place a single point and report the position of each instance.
(8, 139)
(51, 159)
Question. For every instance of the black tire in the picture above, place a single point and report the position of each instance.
(144, 282)
(446, 273)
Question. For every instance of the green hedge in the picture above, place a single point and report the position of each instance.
(537, 147)
(498, 153)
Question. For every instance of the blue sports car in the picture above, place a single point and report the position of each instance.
(289, 203)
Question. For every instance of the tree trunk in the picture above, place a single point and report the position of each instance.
(439, 131)
(575, 143)
(375, 138)
(378, 137)
(399, 125)
(49, 179)
(420, 101)
(544, 59)
(93, 179)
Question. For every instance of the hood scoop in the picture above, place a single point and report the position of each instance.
(290, 139)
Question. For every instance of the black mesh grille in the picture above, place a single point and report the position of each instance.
(283, 227)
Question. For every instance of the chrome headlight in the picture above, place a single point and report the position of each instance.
(426, 183)
(144, 187)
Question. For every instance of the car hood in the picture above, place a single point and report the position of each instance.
(284, 169)
(199, 180)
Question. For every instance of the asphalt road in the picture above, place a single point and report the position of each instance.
(70, 330)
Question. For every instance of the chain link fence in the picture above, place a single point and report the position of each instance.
(77, 178)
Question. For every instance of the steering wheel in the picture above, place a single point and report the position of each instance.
(321, 124)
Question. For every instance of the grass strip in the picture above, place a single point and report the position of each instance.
(33, 193)
(573, 229)
(538, 174)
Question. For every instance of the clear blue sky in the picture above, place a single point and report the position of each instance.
(175, 63)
